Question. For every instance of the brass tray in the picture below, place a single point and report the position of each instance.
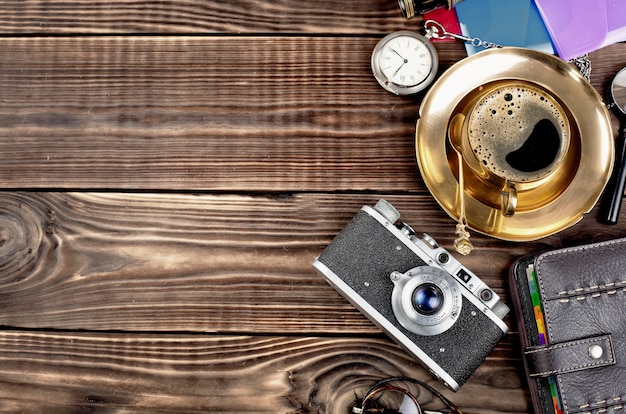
(591, 133)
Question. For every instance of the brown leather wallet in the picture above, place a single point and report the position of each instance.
(571, 312)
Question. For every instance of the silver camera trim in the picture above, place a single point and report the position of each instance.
(402, 300)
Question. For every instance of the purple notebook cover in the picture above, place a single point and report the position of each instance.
(582, 26)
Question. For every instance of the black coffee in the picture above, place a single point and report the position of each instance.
(518, 133)
(539, 150)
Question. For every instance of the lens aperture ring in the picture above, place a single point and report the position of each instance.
(426, 300)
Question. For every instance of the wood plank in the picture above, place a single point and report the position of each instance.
(266, 114)
(205, 263)
(208, 113)
(136, 373)
(198, 16)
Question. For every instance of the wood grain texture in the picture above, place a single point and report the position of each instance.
(199, 113)
(141, 373)
(209, 113)
(205, 263)
(174, 262)
(197, 16)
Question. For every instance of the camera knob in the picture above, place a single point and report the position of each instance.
(430, 241)
(388, 211)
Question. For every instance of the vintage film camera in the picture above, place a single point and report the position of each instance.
(425, 300)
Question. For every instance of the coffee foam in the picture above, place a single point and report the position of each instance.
(503, 121)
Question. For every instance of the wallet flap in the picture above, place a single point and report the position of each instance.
(583, 295)
(570, 356)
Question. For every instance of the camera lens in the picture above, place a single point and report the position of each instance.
(427, 299)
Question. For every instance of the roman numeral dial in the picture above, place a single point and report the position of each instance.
(404, 62)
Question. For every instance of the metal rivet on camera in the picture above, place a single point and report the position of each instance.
(595, 351)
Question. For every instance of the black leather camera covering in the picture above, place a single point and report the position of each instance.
(583, 296)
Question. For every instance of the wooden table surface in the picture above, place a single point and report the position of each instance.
(170, 171)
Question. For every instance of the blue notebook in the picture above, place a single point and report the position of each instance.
(505, 22)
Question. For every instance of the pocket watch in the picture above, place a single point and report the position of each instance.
(404, 62)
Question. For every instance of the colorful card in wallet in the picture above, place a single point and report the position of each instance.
(571, 311)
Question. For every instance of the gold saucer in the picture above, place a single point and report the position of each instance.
(560, 204)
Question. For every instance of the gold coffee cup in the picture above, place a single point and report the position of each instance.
(515, 139)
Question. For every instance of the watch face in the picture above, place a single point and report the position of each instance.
(404, 62)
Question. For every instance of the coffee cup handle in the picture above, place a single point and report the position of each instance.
(508, 199)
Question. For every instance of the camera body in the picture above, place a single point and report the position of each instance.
(424, 299)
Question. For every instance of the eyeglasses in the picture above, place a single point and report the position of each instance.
(371, 401)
